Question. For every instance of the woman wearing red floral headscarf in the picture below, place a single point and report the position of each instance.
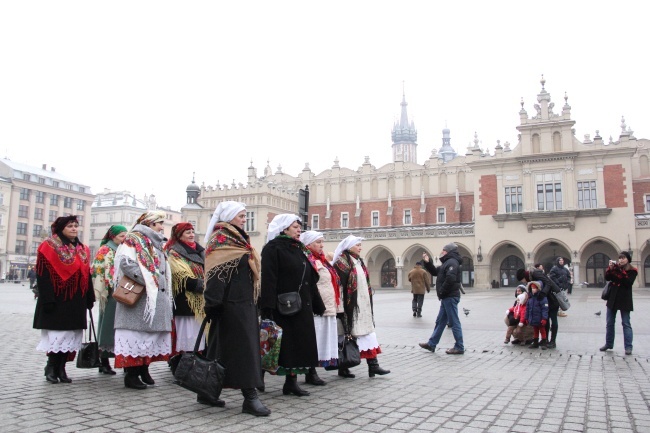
(186, 260)
(65, 292)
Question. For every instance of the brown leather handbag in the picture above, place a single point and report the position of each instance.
(128, 292)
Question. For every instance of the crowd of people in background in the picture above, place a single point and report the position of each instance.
(232, 286)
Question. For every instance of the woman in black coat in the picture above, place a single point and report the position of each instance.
(66, 292)
(232, 287)
(286, 268)
(621, 277)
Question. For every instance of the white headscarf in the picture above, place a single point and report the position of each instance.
(310, 236)
(345, 244)
(226, 211)
(281, 222)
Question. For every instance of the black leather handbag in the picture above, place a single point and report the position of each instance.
(290, 303)
(349, 355)
(199, 374)
(88, 356)
(606, 291)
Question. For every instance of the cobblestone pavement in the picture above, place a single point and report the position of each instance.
(492, 387)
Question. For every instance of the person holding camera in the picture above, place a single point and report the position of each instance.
(621, 276)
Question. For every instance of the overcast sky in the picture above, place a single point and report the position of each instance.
(137, 95)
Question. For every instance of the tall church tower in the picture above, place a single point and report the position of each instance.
(404, 137)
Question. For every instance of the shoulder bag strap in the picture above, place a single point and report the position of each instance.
(200, 336)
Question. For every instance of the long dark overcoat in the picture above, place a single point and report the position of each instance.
(68, 314)
(285, 268)
(234, 338)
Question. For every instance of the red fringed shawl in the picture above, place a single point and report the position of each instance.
(68, 266)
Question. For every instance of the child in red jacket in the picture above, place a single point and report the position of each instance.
(516, 314)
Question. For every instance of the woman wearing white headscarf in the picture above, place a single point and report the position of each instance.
(143, 332)
(286, 268)
(329, 290)
(232, 288)
(357, 301)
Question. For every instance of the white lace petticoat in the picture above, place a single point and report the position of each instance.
(187, 328)
(367, 342)
(326, 337)
(140, 343)
(60, 341)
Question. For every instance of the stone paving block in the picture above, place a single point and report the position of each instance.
(570, 426)
(520, 428)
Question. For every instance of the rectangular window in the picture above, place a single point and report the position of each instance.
(54, 199)
(549, 191)
(55, 183)
(647, 203)
(81, 205)
(513, 199)
(20, 247)
(345, 218)
(315, 223)
(41, 180)
(34, 248)
(53, 216)
(38, 214)
(40, 197)
(442, 215)
(21, 229)
(23, 211)
(92, 234)
(407, 217)
(374, 220)
(587, 195)
(2, 198)
(67, 202)
(82, 189)
(250, 221)
(36, 231)
(26, 177)
(80, 218)
(24, 193)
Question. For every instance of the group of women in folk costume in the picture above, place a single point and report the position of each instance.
(227, 281)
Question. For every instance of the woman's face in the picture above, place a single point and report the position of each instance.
(239, 220)
(119, 238)
(293, 231)
(158, 227)
(188, 236)
(622, 261)
(71, 230)
(356, 249)
(316, 246)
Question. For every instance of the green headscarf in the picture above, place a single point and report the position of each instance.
(112, 232)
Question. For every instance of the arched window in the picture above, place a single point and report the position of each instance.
(536, 144)
(508, 271)
(467, 272)
(646, 269)
(595, 268)
(388, 274)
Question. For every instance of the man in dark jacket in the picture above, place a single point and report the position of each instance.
(448, 290)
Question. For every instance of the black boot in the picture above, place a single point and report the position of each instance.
(535, 344)
(374, 368)
(291, 387)
(263, 387)
(252, 403)
(61, 374)
(414, 313)
(132, 379)
(144, 374)
(106, 367)
(312, 377)
(203, 399)
(419, 312)
(345, 372)
(543, 344)
(51, 368)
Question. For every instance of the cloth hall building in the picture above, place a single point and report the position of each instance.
(549, 195)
